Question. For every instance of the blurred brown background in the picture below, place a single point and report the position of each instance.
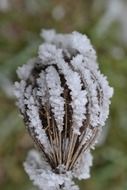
(105, 22)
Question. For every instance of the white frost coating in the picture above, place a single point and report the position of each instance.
(107, 94)
(42, 88)
(73, 42)
(55, 98)
(27, 94)
(42, 176)
(78, 96)
(101, 82)
(84, 61)
(48, 35)
(81, 43)
(35, 122)
(19, 88)
(47, 53)
(94, 108)
(88, 135)
(98, 110)
(82, 169)
(24, 71)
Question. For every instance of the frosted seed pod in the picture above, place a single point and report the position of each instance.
(64, 100)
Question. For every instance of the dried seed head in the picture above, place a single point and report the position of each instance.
(64, 100)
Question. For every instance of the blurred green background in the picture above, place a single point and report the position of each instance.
(105, 22)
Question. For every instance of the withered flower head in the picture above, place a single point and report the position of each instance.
(64, 100)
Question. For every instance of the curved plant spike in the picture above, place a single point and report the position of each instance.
(64, 100)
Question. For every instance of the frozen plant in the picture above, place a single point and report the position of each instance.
(64, 100)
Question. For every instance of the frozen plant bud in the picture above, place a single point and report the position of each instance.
(64, 100)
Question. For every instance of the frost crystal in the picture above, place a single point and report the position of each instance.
(64, 100)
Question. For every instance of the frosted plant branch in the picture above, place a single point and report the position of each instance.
(64, 100)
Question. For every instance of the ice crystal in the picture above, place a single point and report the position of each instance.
(64, 100)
